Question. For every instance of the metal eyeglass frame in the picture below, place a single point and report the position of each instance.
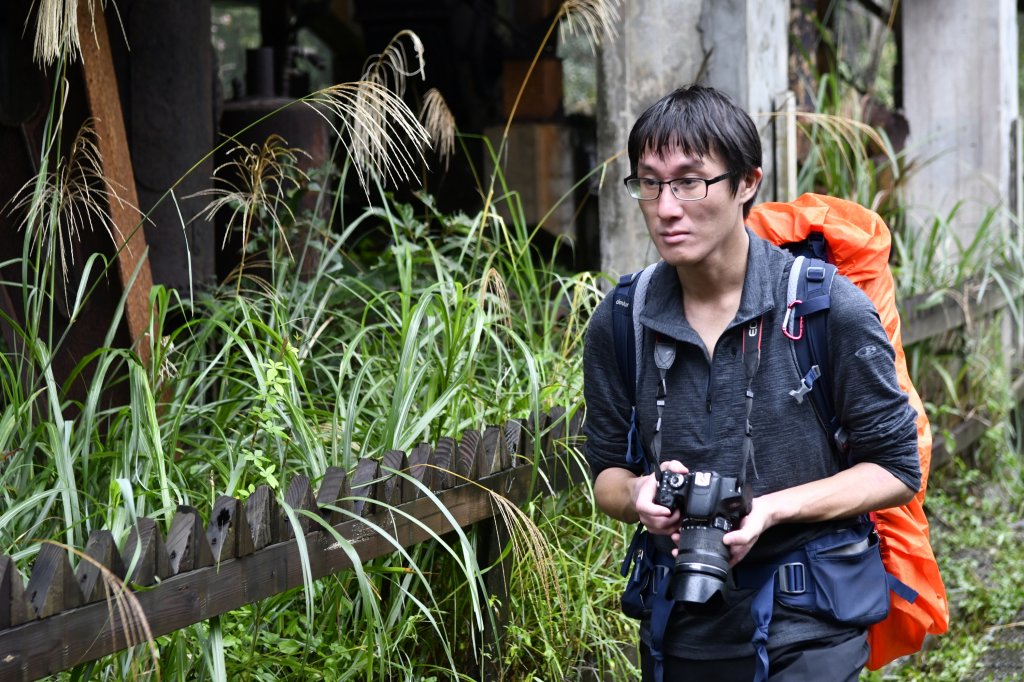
(661, 183)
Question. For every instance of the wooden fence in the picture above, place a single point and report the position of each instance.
(250, 551)
(922, 322)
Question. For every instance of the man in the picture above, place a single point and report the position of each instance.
(695, 160)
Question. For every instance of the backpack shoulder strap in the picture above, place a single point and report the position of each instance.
(809, 298)
(630, 294)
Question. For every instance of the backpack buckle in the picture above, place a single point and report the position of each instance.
(815, 274)
(806, 384)
(792, 578)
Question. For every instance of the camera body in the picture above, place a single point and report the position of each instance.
(710, 506)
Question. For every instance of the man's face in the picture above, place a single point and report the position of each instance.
(688, 232)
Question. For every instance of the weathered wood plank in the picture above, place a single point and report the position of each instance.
(229, 534)
(495, 451)
(112, 147)
(554, 431)
(494, 536)
(299, 497)
(519, 436)
(145, 553)
(567, 466)
(441, 464)
(365, 480)
(419, 470)
(539, 425)
(566, 469)
(187, 546)
(469, 461)
(576, 423)
(53, 587)
(47, 646)
(334, 492)
(392, 489)
(14, 606)
(264, 517)
(922, 320)
(102, 549)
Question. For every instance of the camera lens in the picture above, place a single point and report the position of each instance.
(701, 569)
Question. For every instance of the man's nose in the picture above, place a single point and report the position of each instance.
(668, 205)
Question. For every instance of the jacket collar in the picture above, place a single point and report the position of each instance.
(663, 310)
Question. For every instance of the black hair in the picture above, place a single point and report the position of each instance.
(699, 120)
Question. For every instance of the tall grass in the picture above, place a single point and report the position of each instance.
(346, 337)
(456, 323)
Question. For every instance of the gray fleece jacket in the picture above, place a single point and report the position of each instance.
(705, 409)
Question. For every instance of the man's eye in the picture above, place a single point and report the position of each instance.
(688, 183)
(648, 183)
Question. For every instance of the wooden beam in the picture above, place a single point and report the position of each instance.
(923, 320)
(105, 107)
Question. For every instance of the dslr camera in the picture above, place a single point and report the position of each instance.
(710, 506)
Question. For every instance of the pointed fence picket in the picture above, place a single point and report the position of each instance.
(242, 552)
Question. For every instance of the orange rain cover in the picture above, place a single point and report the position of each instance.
(858, 241)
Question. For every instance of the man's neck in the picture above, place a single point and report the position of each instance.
(718, 276)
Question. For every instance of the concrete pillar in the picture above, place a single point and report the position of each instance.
(960, 96)
(739, 46)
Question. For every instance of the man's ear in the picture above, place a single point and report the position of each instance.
(749, 183)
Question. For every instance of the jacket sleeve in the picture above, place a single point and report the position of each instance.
(880, 423)
(608, 409)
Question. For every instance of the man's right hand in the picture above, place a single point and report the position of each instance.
(658, 519)
(623, 495)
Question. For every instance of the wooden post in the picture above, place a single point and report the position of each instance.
(364, 484)
(14, 609)
(101, 550)
(229, 534)
(299, 497)
(418, 469)
(52, 587)
(441, 464)
(493, 536)
(496, 455)
(264, 517)
(393, 462)
(334, 492)
(187, 546)
(105, 106)
(146, 554)
(470, 458)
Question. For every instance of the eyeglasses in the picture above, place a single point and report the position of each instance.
(684, 189)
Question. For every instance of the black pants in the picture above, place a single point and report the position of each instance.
(832, 660)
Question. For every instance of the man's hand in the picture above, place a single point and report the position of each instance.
(658, 519)
(741, 540)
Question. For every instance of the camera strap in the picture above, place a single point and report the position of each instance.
(751, 361)
(665, 356)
